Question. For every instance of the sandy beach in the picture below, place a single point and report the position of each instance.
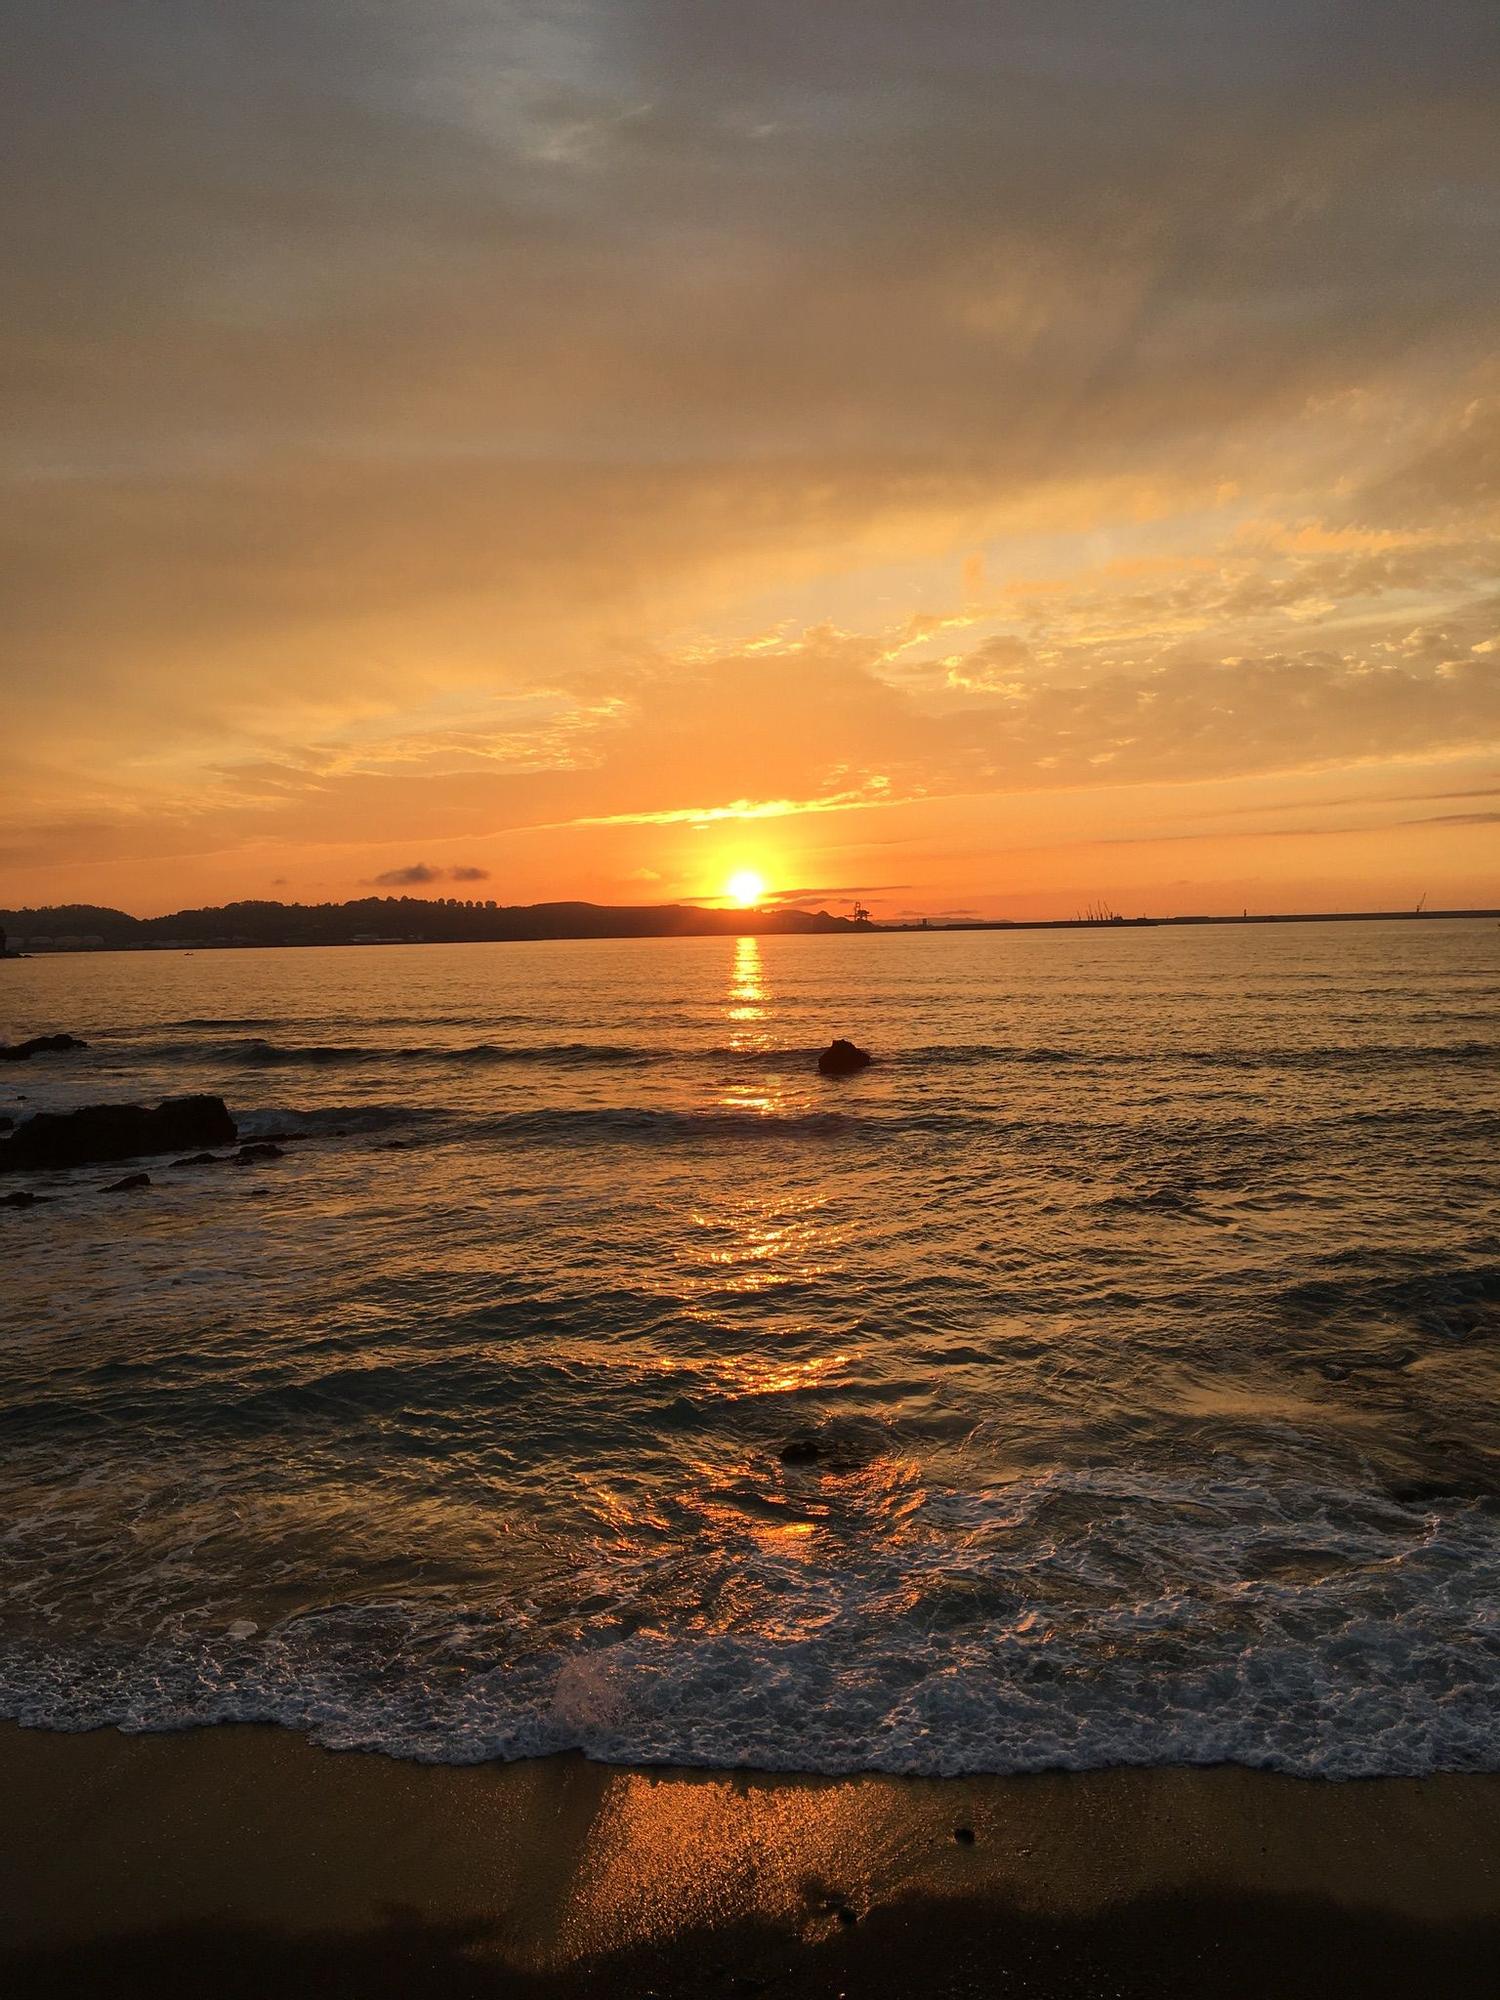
(244, 1860)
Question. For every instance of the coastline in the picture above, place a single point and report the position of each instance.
(241, 1858)
(614, 924)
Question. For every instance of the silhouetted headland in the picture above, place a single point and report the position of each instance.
(392, 920)
(371, 920)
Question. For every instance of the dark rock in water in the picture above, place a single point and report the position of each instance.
(800, 1451)
(39, 1045)
(22, 1198)
(102, 1132)
(253, 1150)
(130, 1181)
(842, 1058)
(843, 1444)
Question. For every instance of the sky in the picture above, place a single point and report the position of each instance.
(969, 456)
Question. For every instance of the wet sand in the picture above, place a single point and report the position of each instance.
(243, 1860)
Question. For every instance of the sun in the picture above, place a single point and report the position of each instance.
(745, 887)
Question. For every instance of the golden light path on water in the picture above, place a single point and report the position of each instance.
(759, 1245)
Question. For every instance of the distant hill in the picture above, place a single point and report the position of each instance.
(388, 920)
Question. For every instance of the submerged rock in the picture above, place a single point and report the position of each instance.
(842, 1058)
(130, 1181)
(262, 1149)
(39, 1045)
(842, 1444)
(800, 1451)
(22, 1198)
(102, 1132)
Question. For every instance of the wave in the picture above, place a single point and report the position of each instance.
(333, 1120)
(260, 1053)
(581, 1124)
(1342, 1056)
(1314, 1630)
(228, 1022)
(562, 1123)
(869, 1118)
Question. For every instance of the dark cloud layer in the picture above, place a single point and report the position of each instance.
(419, 874)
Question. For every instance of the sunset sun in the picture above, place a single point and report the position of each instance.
(745, 887)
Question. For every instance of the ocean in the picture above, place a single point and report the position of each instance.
(1108, 1375)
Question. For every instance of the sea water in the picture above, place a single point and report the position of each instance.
(1109, 1374)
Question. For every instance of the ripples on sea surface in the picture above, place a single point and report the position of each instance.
(1130, 1332)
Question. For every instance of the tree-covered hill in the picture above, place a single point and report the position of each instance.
(389, 919)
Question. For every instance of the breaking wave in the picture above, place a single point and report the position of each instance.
(1317, 1631)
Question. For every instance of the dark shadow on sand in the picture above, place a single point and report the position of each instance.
(1154, 1948)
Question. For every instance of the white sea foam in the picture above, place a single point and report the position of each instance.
(964, 1644)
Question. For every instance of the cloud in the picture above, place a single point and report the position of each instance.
(418, 415)
(419, 874)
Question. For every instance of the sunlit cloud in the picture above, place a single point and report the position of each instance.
(541, 437)
(743, 809)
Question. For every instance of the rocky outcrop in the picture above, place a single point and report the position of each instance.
(842, 1058)
(247, 1156)
(99, 1133)
(39, 1045)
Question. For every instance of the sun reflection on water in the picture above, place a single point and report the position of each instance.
(747, 988)
(747, 1009)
